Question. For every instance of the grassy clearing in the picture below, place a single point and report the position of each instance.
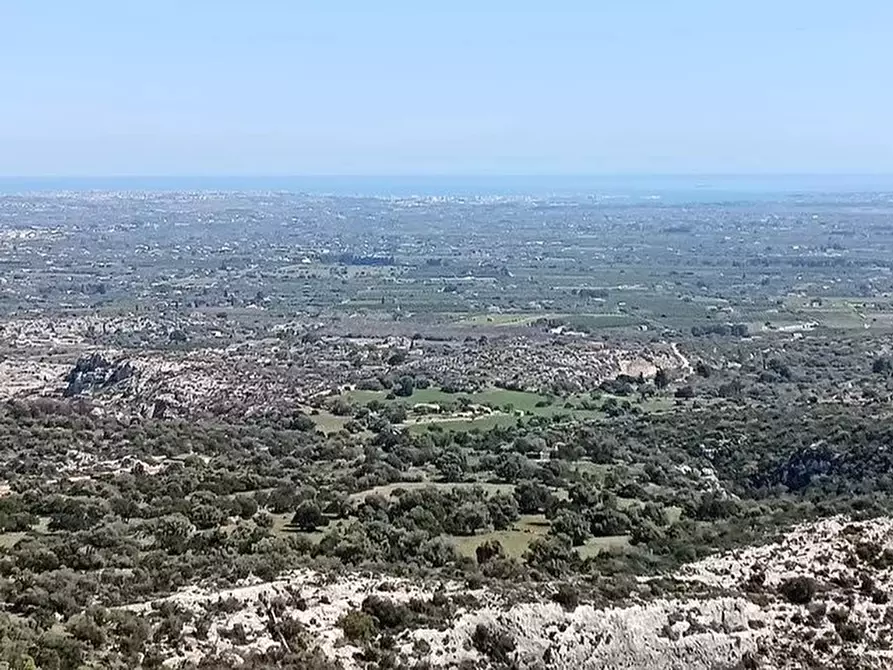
(283, 528)
(9, 539)
(328, 422)
(520, 400)
(509, 408)
(596, 545)
(503, 319)
(596, 470)
(515, 540)
(465, 424)
(673, 513)
(495, 397)
(589, 322)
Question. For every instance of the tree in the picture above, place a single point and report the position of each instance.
(206, 516)
(358, 626)
(572, 525)
(247, 506)
(503, 510)
(404, 386)
(703, 370)
(512, 467)
(686, 393)
(340, 407)
(494, 643)
(532, 497)
(395, 412)
(781, 368)
(282, 499)
(308, 516)
(452, 465)
(607, 521)
(567, 596)
(798, 590)
(569, 451)
(882, 365)
(551, 554)
(300, 421)
(76, 513)
(468, 517)
(661, 379)
(172, 533)
(489, 550)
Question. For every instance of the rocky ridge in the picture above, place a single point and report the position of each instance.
(816, 598)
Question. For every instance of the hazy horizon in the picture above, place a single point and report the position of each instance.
(224, 88)
(670, 188)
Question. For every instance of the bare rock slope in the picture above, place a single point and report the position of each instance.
(816, 598)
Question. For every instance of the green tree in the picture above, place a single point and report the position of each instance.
(404, 386)
(468, 518)
(308, 516)
(503, 509)
(172, 533)
(572, 525)
(552, 555)
(532, 497)
(489, 550)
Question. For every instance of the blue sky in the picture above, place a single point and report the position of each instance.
(97, 87)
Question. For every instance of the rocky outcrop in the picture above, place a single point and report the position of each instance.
(817, 598)
(94, 373)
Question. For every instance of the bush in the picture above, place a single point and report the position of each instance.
(798, 590)
(492, 643)
(489, 550)
(567, 596)
(387, 613)
(308, 516)
(850, 631)
(358, 626)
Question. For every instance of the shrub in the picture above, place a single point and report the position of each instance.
(850, 631)
(495, 644)
(358, 626)
(798, 590)
(489, 550)
(567, 596)
(387, 613)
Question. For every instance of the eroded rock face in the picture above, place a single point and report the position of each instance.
(666, 634)
(94, 373)
(826, 586)
(759, 621)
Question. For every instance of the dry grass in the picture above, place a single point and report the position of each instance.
(515, 541)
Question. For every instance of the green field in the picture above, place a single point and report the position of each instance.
(503, 319)
(495, 397)
(283, 528)
(511, 407)
(529, 527)
(328, 422)
(572, 321)
(9, 539)
(464, 424)
(514, 541)
(596, 545)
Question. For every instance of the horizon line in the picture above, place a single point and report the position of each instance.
(440, 175)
